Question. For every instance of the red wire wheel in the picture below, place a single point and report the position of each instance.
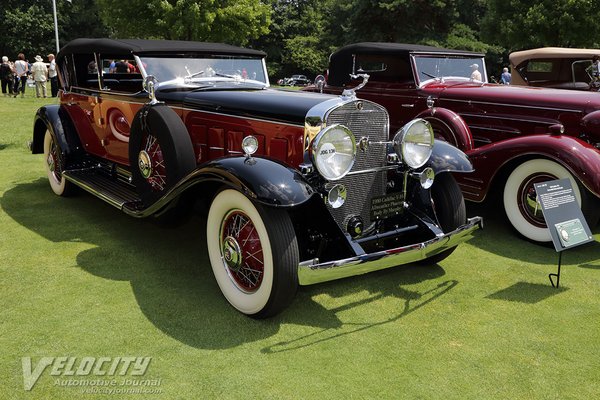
(242, 251)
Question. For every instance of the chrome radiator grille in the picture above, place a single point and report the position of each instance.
(364, 120)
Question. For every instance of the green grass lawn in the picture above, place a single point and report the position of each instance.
(80, 279)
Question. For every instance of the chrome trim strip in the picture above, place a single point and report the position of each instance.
(90, 189)
(237, 116)
(474, 103)
(371, 170)
(311, 271)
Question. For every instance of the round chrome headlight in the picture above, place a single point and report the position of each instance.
(334, 152)
(414, 142)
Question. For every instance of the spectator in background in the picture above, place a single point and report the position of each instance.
(594, 69)
(475, 74)
(122, 67)
(21, 71)
(53, 75)
(505, 77)
(7, 77)
(40, 76)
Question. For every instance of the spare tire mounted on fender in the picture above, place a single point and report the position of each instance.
(160, 151)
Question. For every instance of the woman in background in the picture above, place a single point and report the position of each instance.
(21, 69)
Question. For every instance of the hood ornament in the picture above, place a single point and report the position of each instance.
(351, 93)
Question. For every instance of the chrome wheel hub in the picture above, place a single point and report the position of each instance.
(145, 164)
(232, 253)
(51, 162)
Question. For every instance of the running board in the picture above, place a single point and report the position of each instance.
(115, 193)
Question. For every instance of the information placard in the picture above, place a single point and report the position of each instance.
(563, 216)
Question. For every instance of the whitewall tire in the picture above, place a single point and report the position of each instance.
(54, 166)
(253, 254)
(520, 205)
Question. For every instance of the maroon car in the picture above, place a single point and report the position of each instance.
(515, 136)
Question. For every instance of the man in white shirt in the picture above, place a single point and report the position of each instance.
(475, 74)
(40, 76)
(53, 75)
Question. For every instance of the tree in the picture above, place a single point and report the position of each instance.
(29, 28)
(298, 41)
(235, 22)
(524, 24)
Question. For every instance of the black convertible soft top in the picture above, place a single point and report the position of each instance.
(395, 48)
(340, 61)
(141, 46)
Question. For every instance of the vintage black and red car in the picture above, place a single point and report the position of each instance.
(299, 188)
(514, 136)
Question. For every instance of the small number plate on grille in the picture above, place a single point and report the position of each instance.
(386, 206)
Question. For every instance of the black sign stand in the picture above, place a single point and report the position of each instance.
(557, 275)
(566, 223)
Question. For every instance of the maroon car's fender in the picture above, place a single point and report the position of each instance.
(456, 125)
(579, 157)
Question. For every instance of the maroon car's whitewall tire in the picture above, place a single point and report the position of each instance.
(519, 196)
(243, 238)
(54, 166)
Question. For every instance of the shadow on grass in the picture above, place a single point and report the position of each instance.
(498, 237)
(525, 292)
(172, 281)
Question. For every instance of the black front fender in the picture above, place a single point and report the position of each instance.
(265, 181)
(447, 158)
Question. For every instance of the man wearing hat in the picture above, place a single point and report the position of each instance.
(52, 74)
(475, 74)
(40, 76)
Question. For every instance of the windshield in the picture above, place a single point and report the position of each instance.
(443, 67)
(206, 70)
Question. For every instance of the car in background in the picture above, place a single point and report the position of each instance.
(294, 80)
(515, 136)
(299, 188)
(554, 67)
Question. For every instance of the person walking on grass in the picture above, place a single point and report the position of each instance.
(7, 77)
(21, 70)
(40, 76)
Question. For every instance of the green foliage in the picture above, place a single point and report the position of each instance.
(523, 24)
(234, 22)
(303, 52)
(29, 28)
(299, 35)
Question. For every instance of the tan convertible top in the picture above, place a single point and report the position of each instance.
(518, 57)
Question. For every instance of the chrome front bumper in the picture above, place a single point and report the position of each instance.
(311, 271)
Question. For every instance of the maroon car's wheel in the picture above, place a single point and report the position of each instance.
(54, 164)
(160, 151)
(253, 254)
(520, 201)
(450, 210)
